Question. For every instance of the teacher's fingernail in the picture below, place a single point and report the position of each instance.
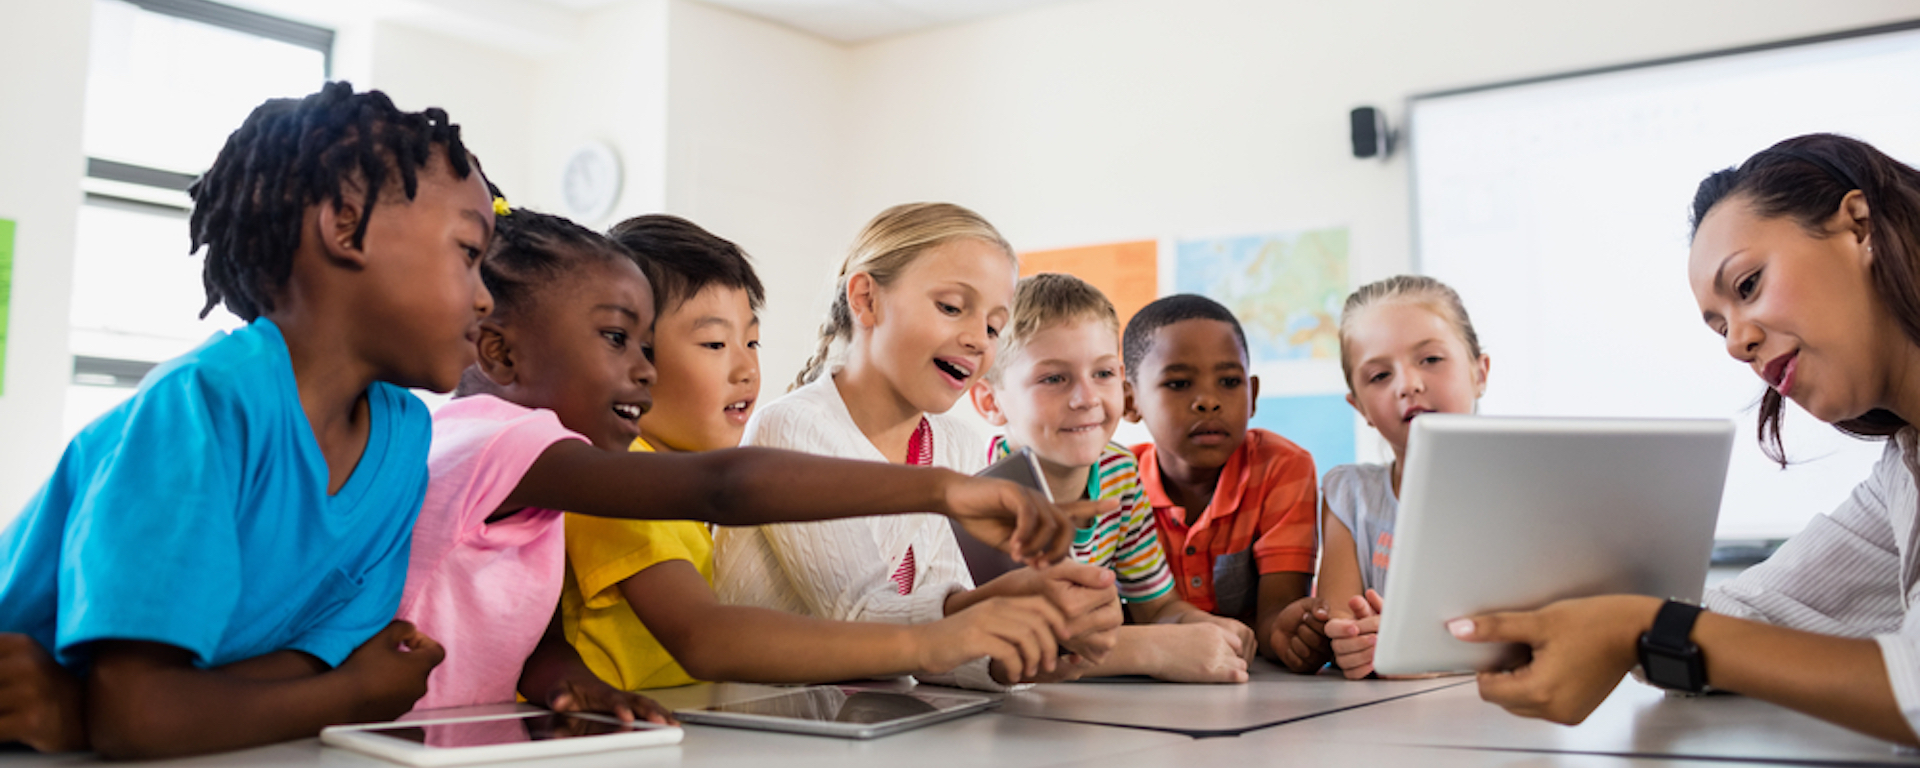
(1461, 628)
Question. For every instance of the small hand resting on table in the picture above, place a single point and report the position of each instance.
(1353, 637)
(1300, 635)
(40, 702)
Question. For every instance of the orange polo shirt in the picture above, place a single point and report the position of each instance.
(1261, 521)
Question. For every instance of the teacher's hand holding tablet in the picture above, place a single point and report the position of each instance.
(1580, 649)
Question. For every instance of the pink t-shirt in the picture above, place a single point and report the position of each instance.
(484, 590)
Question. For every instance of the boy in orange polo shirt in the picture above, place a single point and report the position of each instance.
(1235, 506)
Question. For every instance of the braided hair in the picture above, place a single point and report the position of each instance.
(532, 250)
(294, 153)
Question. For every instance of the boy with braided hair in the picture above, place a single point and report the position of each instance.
(214, 564)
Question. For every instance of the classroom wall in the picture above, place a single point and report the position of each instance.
(1069, 124)
(611, 87)
(40, 190)
(757, 152)
(483, 88)
(1112, 120)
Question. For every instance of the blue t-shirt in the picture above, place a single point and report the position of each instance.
(196, 514)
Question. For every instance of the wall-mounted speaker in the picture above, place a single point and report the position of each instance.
(1371, 136)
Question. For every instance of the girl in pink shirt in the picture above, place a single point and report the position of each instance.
(562, 381)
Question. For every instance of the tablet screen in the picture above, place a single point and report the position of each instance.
(829, 704)
(531, 726)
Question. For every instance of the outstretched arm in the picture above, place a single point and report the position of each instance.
(148, 700)
(756, 486)
(1582, 648)
(712, 641)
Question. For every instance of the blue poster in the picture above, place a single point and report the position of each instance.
(1322, 424)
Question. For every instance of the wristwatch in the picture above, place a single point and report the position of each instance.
(1667, 654)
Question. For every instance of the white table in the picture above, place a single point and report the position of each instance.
(1636, 720)
(1427, 723)
(986, 741)
(1272, 697)
(1246, 752)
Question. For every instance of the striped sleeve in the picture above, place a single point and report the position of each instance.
(1844, 575)
(1137, 558)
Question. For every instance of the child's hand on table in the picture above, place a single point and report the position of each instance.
(1086, 595)
(1300, 635)
(1021, 634)
(1249, 646)
(41, 704)
(392, 669)
(591, 694)
(1353, 638)
(1206, 652)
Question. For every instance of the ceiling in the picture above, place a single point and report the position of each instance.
(542, 27)
(852, 21)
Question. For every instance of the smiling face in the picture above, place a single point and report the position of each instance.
(1194, 394)
(1407, 360)
(1060, 394)
(1798, 309)
(707, 351)
(581, 349)
(931, 332)
(424, 299)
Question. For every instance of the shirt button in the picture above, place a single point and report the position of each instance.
(1190, 550)
(1196, 581)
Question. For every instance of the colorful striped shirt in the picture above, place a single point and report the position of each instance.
(1125, 540)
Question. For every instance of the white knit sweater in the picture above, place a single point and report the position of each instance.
(842, 569)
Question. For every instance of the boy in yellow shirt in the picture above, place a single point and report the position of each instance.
(638, 602)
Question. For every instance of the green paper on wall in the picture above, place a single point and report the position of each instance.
(6, 293)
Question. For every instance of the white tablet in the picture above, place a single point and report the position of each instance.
(846, 712)
(1513, 513)
(490, 738)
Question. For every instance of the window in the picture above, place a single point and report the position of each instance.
(167, 82)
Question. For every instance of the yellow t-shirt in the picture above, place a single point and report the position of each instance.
(602, 552)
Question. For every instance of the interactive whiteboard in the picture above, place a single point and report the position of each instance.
(1558, 208)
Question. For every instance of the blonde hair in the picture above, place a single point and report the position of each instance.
(1048, 299)
(1413, 289)
(887, 245)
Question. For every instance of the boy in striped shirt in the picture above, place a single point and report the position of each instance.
(1056, 388)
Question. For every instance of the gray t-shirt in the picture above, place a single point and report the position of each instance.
(1361, 498)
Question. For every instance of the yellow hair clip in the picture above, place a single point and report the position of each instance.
(500, 207)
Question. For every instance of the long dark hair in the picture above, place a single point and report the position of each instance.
(1805, 178)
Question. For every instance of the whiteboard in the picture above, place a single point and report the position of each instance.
(1558, 209)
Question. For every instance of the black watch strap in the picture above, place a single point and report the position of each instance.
(1673, 625)
(1668, 655)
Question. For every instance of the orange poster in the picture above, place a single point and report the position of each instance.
(1128, 273)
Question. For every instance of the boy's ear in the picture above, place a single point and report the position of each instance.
(860, 300)
(337, 225)
(1128, 411)
(1253, 395)
(985, 402)
(495, 353)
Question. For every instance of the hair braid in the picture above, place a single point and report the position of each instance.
(289, 154)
